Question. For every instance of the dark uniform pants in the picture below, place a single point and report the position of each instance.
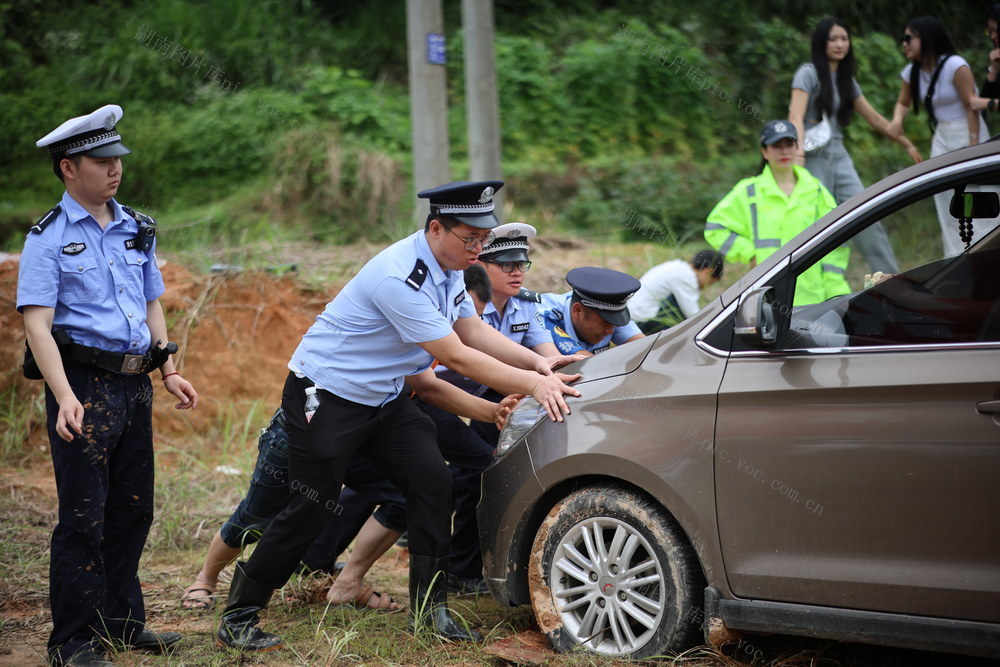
(468, 455)
(104, 480)
(397, 438)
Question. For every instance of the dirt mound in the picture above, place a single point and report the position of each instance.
(236, 332)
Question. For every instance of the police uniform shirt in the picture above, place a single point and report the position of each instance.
(521, 323)
(97, 281)
(556, 316)
(365, 342)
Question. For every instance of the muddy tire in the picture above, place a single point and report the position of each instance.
(611, 572)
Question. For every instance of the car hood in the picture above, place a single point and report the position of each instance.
(619, 360)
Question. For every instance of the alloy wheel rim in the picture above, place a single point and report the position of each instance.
(608, 586)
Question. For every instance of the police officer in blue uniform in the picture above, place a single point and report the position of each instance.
(513, 310)
(406, 307)
(594, 314)
(89, 291)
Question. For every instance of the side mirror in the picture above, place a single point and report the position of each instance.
(755, 320)
(974, 205)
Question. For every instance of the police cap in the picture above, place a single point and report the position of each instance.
(604, 290)
(775, 130)
(93, 135)
(510, 244)
(469, 202)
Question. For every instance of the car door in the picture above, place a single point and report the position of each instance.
(857, 464)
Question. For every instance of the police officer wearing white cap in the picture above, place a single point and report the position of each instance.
(406, 307)
(89, 291)
(511, 310)
(594, 314)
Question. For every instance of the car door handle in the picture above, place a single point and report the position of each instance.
(988, 407)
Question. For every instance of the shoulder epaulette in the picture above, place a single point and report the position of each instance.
(46, 219)
(528, 295)
(418, 275)
(139, 217)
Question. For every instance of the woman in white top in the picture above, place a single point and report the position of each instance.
(940, 80)
(826, 87)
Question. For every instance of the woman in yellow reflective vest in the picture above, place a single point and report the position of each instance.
(762, 213)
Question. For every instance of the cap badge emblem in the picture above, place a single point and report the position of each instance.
(514, 233)
(487, 195)
(780, 127)
(109, 121)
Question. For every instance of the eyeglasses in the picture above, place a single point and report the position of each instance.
(509, 267)
(473, 242)
(905, 39)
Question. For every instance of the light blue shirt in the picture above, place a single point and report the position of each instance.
(365, 342)
(521, 322)
(95, 279)
(556, 315)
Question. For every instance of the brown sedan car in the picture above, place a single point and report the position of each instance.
(828, 470)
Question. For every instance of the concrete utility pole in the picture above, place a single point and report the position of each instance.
(428, 96)
(481, 102)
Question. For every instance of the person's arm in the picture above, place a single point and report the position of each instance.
(548, 390)
(796, 116)
(172, 380)
(439, 393)
(879, 123)
(966, 88)
(727, 228)
(556, 359)
(481, 336)
(901, 110)
(38, 332)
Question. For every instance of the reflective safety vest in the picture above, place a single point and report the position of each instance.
(756, 218)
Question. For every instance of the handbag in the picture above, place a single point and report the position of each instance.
(818, 136)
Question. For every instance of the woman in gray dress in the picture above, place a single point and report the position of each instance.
(826, 88)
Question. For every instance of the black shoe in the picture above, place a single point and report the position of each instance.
(85, 657)
(155, 642)
(239, 621)
(467, 585)
(429, 600)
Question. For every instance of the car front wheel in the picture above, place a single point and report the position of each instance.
(611, 572)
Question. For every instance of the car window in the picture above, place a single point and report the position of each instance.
(932, 299)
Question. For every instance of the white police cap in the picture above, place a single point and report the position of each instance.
(93, 134)
(510, 243)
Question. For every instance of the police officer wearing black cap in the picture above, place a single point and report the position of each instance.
(89, 291)
(594, 314)
(406, 307)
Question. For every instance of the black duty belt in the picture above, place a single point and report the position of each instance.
(118, 362)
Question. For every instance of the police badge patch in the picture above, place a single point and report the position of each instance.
(74, 248)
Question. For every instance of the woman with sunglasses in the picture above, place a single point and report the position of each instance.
(826, 89)
(940, 80)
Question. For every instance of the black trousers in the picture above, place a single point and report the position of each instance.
(104, 480)
(398, 438)
(468, 455)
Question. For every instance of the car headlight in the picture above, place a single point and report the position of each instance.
(521, 420)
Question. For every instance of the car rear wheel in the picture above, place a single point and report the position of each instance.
(611, 572)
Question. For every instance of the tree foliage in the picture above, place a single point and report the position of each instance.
(300, 108)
